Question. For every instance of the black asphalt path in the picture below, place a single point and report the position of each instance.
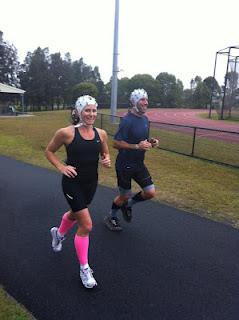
(165, 265)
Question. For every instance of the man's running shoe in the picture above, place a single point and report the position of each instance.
(127, 212)
(87, 278)
(56, 240)
(112, 223)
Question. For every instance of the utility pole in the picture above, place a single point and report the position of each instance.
(114, 81)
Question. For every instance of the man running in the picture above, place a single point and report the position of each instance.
(132, 141)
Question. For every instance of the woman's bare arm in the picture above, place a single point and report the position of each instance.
(59, 139)
(105, 155)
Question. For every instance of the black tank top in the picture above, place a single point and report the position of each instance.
(84, 154)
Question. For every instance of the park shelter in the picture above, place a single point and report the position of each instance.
(7, 90)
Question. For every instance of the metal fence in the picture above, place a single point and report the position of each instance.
(217, 146)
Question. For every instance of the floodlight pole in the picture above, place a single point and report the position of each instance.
(212, 88)
(225, 84)
(114, 81)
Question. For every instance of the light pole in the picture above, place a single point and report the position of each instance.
(114, 81)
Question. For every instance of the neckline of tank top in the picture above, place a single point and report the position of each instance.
(95, 132)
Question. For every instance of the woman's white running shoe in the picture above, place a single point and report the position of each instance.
(56, 240)
(87, 278)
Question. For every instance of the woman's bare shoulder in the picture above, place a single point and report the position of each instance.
(101, 131)
(65, 132)
(102, 134)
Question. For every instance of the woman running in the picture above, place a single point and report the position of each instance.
(83, 143)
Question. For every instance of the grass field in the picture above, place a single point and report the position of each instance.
(10, 310)
(196, 186)
(206, 146)
(212, 145)
(214, 116)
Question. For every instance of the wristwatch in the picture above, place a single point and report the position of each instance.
(136, 146)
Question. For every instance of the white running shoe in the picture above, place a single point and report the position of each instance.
(87, 278)
(56, 240)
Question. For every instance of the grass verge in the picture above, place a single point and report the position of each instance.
(11, 310)
(214, 116)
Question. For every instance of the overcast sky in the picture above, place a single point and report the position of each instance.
(178, 37)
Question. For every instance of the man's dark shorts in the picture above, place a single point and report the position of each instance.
(139, 174)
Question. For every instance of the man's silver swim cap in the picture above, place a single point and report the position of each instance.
(136, 95)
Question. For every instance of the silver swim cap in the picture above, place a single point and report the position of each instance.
(136, 95)
(84, 101)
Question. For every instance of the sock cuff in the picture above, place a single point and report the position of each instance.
(138, 197)
(84, 266)
(115, 206)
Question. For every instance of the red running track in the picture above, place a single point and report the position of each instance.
(191, 117)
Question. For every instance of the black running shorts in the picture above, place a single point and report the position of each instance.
(78, 193)
(140, 175)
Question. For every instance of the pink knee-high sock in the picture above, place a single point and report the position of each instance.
(66, 224)
(82, 245)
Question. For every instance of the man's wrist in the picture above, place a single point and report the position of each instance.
(136, 146)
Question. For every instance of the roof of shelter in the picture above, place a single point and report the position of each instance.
(9, 89)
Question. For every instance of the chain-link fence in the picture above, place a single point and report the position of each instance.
(218, 146)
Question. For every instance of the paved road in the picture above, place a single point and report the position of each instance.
(165, 265)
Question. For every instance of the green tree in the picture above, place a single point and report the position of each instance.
(103, 95)
(201, 92)
(123, 92)
(179, 93)
(67, 80)
(201, 95)
(49, 79)
(83, 72)
(9, 64)
(232, 85)
(35, 77)
(60, 79)
(231, 99)
(170, 90)
(84, 88)
(197, 80)
(148, 83)
(187, 98)
(56, 79)
(212, 84)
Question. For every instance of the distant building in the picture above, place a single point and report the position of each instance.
(8, 95)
